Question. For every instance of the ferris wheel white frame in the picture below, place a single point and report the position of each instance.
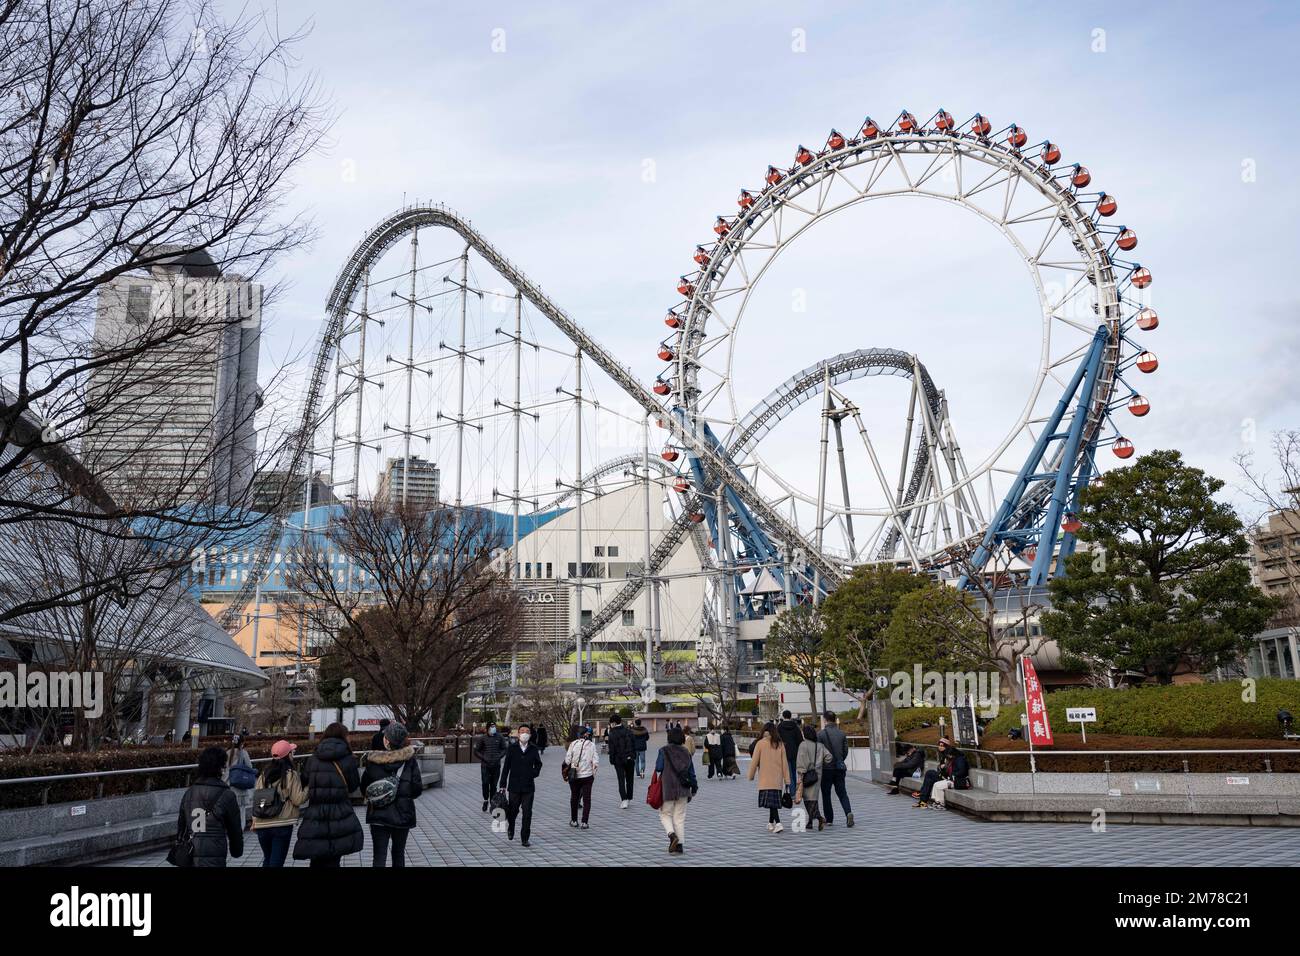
(963, 167)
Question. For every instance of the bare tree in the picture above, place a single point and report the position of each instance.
(410, 600)
(1277, 496)
(141, 135)
(713, 679)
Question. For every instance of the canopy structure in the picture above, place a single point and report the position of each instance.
(153, 619)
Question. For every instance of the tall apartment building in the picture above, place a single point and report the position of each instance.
(173, 422)
(1275, 567)
(418, 477)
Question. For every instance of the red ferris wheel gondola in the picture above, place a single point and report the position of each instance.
(943, 121)
(1123, 448)
(1147, 362)
(980, 125)
(1051, 154)
(669, 454)
(1139, 406)
(673, 320)
(1080, 177)
(1016, 137)
(803, 155)
(1106, 205)
(906, 122)
(869, 129)
(662, 388)
(665, 354)
(1128, 239)
(1147, 320)
(774, 176)
(1141, 277)
(835, 140)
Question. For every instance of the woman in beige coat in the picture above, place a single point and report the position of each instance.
(772, 770)
(275, 832)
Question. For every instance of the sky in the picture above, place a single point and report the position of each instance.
(539, 122)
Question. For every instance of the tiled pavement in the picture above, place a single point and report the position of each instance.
(725, 826)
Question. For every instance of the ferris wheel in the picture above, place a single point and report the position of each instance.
(941, 500)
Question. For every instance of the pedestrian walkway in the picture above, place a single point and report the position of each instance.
(725, 827)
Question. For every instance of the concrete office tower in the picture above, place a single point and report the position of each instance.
(172, 421)
(420, 479)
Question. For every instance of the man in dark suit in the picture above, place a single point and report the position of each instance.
(520, 767)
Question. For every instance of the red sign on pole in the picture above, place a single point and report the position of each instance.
(1040, 730)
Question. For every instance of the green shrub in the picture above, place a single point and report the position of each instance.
(1178, 710)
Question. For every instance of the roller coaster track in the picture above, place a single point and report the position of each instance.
(338, 308)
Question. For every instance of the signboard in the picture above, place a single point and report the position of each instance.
(1081, 716)
(1040, 730)
(964, 727)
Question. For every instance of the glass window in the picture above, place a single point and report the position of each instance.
(629, 617)
(599, 551)
(613, 551)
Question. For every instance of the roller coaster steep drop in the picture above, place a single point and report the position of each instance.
(939, 515)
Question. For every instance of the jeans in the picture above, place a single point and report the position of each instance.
(834, 779)
(275, 844)
(626, 770)
(640, 762)
(794, 778)
(520, 801)
(580, 792)
(379, 837)
(488, 774)
(673, 817)
(927, 784)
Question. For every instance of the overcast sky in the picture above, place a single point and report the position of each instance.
(1181, 110)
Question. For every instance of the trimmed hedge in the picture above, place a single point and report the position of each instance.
(1177, 710)
(905, 718)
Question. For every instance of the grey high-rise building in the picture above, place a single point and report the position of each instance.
(419, 477)
(172, 418)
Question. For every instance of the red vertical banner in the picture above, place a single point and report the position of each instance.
(1040, 730)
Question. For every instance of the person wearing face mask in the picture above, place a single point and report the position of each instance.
(520, 768)
(489, 748)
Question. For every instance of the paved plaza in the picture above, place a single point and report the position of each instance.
(726, 827)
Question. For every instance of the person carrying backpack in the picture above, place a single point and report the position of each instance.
(391, 782)
(677, 777)
(277, 798)
(622, 754)
(241, 777)
(208, 822)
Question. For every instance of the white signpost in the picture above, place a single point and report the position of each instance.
(1081, 716)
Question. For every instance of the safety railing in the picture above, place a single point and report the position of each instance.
(999, 757)
(48, 781)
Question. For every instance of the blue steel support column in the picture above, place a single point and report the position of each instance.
(1069, 462)
(1087, 465)
(999, 525)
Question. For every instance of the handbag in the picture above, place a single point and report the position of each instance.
(382, 792)
(787, 801)
(810, 775)
(654, 794)
(182, 850)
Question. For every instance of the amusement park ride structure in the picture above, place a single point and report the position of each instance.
(935, 514)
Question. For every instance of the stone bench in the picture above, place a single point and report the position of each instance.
(1127, 808)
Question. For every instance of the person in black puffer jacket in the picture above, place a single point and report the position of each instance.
(394, 821)
(330, 828)
(223, 826)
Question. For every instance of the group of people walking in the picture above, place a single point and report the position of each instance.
(797, 766)
(316, 798)
(793, 766)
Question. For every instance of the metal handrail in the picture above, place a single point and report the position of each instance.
(1106, 754)
(161, 768)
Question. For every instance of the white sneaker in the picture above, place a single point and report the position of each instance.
(769, 828)
(778, 828)
(623, 805)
